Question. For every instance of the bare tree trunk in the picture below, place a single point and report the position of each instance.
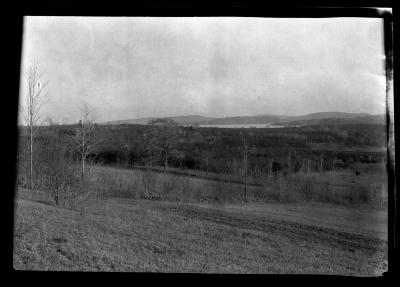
(83, 167)
(83, 151)
(245, 189)
(270, 168)
(31, 138)
(280, 186)
(56, 198)
(165, 164)
(206, 166)
(245, 159)
(30, 157)
(289, 165)
(321, 164)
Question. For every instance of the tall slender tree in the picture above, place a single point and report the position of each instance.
(31, 109)
(245, 151)
(321, 164)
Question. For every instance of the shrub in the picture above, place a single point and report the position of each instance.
(148, 185)
(169, 189)
(269, 193)
(109, 183)
(305, 188)
(222, 192)
(56, 176)
(359, 194)
(176, 188)
(186, 189)
(285, 190)
(65, 185)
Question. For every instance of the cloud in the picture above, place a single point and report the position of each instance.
(139, 67)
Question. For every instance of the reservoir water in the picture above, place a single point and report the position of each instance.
(236, 126)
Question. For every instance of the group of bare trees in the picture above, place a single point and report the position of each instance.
(82, 140)
(162, 140)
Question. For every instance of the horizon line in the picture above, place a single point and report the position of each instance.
(258, 115)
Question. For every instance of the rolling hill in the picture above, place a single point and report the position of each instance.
(322, 118)
(357, 120)
(182, 120)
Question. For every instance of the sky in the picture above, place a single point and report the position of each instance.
(125, 68)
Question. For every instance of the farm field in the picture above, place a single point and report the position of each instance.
(128, 234)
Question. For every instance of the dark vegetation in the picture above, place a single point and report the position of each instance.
(285, 164)
(221, 146)
(129, 145)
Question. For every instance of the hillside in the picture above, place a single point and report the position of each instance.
(120, 234)
(346, 120)
(262, 119)
(182, 120)
(330, 115)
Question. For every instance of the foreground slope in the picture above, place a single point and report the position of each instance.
(141, 235)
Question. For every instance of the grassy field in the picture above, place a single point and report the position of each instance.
(369, 173)
(341, 187)
(127, 234)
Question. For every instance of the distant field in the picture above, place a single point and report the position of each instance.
(341, 148)
(342, 186)
(142, 235)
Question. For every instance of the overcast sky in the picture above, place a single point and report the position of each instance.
(152, 67)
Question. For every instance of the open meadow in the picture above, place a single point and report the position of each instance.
(119, 230)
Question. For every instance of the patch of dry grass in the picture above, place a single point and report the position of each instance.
(142, 235)
(328, 187)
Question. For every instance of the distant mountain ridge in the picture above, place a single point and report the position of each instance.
(330, 115)
(262, 119)
(357, 120)
(321, 118)
(182, 120)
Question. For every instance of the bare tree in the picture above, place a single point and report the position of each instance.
(308, 166)
(163, 139)
(245, 151)
(269, 167)
(206, 161)
(57, 176)
(31, 111)
(84, 140)
(321, 164)
(53, 128)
